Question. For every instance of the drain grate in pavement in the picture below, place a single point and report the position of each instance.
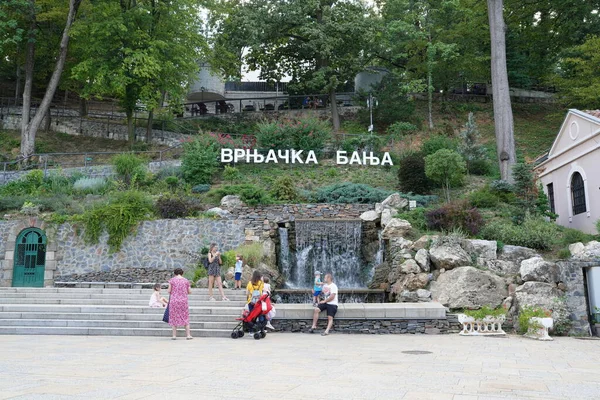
(416, 352)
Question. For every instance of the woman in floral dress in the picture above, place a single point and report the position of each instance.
(179, 314)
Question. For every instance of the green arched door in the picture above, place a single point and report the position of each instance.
(30, 258)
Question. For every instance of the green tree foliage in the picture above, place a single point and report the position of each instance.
(469, 147)
(139, 50)
(305, 133)
(579, 75)
(447, 168)
(411, 174)
(200, 160)
(393, 102)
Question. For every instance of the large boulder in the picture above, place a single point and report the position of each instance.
(406, 296)
(395, 201)
(380, 277)
(411, 282)
(539, 270)
(516, 253)
(396, 228)
(424, 242)
(369, 216)
(470, 288)
(537, 294)
(231, 201)
(482, 249)
(590, 251)
(410, 266)
(501, 267)
(422, 258)
(269, 250)
(220, 212)
(448, 256)
(386, 216)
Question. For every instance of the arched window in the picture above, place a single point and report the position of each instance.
(578, 194)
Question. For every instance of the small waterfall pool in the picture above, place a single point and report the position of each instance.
(333, 246)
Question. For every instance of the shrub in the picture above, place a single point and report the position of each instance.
(563, 254)
(534, 232)
(252, 253)
(457, 215)
(284, 188)
(401, 128)
(169, 171)
(305, 133)
(438, 142)
(570, 236)
(200, 160)
(501, 186)
(447, 168)
(172, 207)
(201, 188)
(472, 152)
(26, 185)
(479, 167)
(411, 174)
(366, 143)
(119, 217)
(350, 193)
(528, 312)
(484, 198)
(250, 194)
(484, 312)
(231, 174)
(228, 258)
(128, 167)
(172, 181)
(90, 185)
(416, 218)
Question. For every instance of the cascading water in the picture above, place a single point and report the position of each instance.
(326, 246)
(284, 253)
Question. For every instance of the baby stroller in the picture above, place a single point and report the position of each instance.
(255, 321)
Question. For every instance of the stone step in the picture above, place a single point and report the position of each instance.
(110, 316)
(105, 291)
(110, 301)
(145, 296)
(158, 324)
(166, 332)
(112, 309)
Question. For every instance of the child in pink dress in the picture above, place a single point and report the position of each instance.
(156, 300)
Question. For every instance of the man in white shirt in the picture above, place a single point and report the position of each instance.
(330, 304)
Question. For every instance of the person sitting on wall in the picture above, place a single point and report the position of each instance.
(330, 304)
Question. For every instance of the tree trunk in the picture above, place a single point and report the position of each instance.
(130, 131)
(28, 137)
(27, 148)
(335, 115)
(149, 128)
(503, 117)
(48, 120)
(18, 82)
(83, 107)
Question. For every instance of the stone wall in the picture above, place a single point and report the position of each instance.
(374, 326)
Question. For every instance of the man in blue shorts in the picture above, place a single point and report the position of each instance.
(330, 304)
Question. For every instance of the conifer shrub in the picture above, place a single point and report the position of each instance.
(350, 193)
(411, 174)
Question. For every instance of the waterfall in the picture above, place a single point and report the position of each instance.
(380, 251)
(284, 253)
(326, 246)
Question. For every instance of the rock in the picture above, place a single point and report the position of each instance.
(380, 276)
(516, 253)
(386, 217)
(537, 294)
(202, 283)
(378, 208)
(269, 250)
(231, 201)
(449, 256)
(395, 201)
(369, 216)
(370, 250)
(423, 294)
(400, 243)
(539, 270)
(470, 288)
(396, 228)
(415, 281)
(562, 286)
(576, 248)
(407, 297)
(422, 258)
(229, 275)
(273, 273)
(410, 267)
(485, 249)
(424, 242)
(220, 212)
(501, 267)
(590, 251)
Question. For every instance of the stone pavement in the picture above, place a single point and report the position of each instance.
(299, 366)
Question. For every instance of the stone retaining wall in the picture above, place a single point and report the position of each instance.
(374, 326)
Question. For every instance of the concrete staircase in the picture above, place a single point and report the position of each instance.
(111, 312)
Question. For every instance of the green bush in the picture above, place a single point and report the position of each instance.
(172, 181)
(29, 184)
(500, 186)
(534, 232)
(570, 236)
(447, 168)
(90, 185)
(228, 258)
(351, 193)
(305, 133)
(169, 171)
(438, 142)
(411, 174)
(484, 312)
(416, 218)
(172, 207)
(200, 160)
(563, 254)
(284, 189)
(129, 168)
(119, 217)
(252, 195)
(598, 227)
(252, 253)
(528, 312)
(479, 167)
(201, 188)
(399, 129)
(484, 198)
(231, 174)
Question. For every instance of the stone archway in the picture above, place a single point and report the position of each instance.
(29, 262)
(8, 259)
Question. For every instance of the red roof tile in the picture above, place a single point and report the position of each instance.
(594, 113)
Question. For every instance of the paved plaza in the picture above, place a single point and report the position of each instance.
(299, 366)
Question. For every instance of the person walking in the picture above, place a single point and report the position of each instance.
(214, 272)
(179, 313)
(330, 304)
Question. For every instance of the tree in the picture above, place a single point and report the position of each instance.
(503, 117)
(578, 76)
(321, 44)
(139, 50)
(29, 128)
(469, 147)
(447, 168)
